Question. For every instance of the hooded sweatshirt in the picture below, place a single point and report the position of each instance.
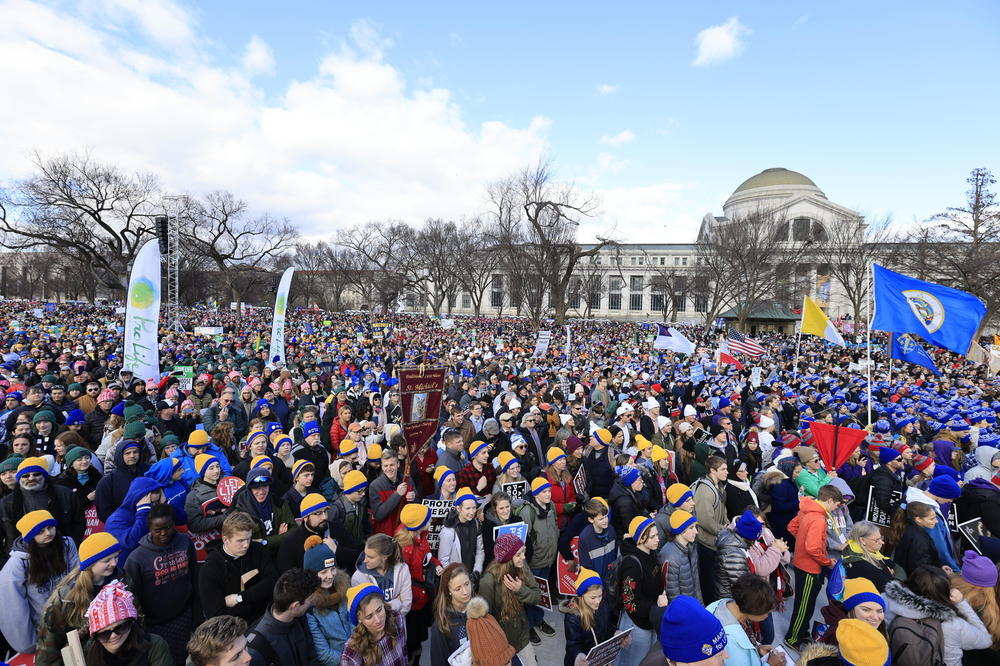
(395, 583)
(984, 468)
(174, 492)
(113, 488)
(163, 577)
(809, 530)
(22, 601)
(128, 522)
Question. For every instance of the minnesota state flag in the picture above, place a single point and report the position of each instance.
(943, 316)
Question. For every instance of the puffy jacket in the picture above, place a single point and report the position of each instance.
(810, 482)
(962, 631)
(984, 468)
(710, 507)
(682, 576)
(128, 522)
(641, 583)
(562, 494)
(23, 601)
(200, 493)
(915, 547)
(330, 630)
(809, 530)
(731, 562)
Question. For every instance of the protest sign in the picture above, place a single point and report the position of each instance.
(94, 524)
(520, 530)
(565, 573)
(542, 345)
(227, 487)
(755, 376)
(606, 653)
(971, 530)
(208, 330)
(202, 539)
(697, 374)
(546, 600)
(516, 490)
(439, 511)
(877, 515)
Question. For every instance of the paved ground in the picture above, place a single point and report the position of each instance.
(553, 649)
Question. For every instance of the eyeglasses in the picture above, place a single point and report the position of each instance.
(120, 630)
(32, 475)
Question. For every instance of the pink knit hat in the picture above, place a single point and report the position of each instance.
(506, 547)
(106, 394)
(111, 605)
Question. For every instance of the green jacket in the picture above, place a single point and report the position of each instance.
(543, 535)
(515, 628)
(810, 482)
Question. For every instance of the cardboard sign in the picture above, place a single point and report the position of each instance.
(517, 490)
(546, 600)
(94, 524)
(874, 513)
(605, 653)
(580, 481)
(520, 530)
(971, 530)
(439, 511)
(566, 579)
(420, 395)
(227, 487)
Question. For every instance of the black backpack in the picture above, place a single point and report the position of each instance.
(916, 642)
(613, 585)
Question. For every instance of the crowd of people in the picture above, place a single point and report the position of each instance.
(238, 510)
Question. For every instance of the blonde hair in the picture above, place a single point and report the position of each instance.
(983, 601)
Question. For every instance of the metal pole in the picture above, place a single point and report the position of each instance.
(871, 317)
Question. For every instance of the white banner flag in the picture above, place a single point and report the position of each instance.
(142, 314)
(277, 352)
(569, 338)
(542, 345)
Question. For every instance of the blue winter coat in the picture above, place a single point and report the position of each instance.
(598, 551)
(111, 490)
(174, 492)
(330, 630)
(128, 522)
(187, 460)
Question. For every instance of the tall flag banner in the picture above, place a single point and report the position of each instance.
(741, 344)
(542, 345)
(569, 338)
(142, 313)
(904, 347)
(815, 322)
(725, 355)
(941, 315)
(671, 338)
(277, 352)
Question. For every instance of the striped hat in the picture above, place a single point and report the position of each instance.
(603, 436)
(348, 447)
(354, 481)
(476, 447)
(300, 466)
(357, 594)
(554, 454)
(642, 443)
(638, 527)
(464, 494)
(659, 453)
(859, 591)
(261, 462)
(198, 439)
(281, 439)
(34, 464)
(96, 547)
(538, 485)
(202, 461)
(415, 516)
(441, 473)
(33, 522)
(505, 460)
(312, 503)
(680, 520)
(586, 580)
(256, 434)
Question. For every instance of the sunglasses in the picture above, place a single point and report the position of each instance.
(32, 475)
(94, 390)
(120, 630)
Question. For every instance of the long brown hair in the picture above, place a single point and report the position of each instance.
(73, 613)
(510, 606)
(442, 602)
(903, 518)
(45, 562)
(984, 601)
(364, 643)
(385, 545)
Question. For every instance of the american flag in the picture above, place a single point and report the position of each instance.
(741, 344)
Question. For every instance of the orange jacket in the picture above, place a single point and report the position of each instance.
(809, 529)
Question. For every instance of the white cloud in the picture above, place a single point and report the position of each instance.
(720, 42)
(345, 144)
(636, 214)
(606, 89)
(609, 163)
(258, 58)
(623, 137)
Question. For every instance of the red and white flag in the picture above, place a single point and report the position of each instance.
(725, 355)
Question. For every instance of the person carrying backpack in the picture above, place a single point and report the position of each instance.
(930, 622)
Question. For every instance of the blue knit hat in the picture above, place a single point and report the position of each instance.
(310, 428)
(689, 633)
(629, 475)
(748, 527)
(318, 556)
(887, 454)
(261, 404)
(944, 486)
(272, 427)
(74, 417)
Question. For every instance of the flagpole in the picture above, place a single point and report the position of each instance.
(871, 296)
(798, 341)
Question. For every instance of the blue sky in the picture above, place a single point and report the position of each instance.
(339, 112)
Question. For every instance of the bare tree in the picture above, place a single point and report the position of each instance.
(534, 223)
(477, 263)
(847, 254)
(79, 207)
(386, 262)
(220, 229)
(437, 252)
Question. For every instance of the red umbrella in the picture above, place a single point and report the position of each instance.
(835, 443)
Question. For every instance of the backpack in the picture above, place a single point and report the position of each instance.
(916, 642)
(613, 585)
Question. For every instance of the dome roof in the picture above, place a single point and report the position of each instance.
(777, 176)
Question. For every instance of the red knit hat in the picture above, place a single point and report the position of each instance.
(921, 463)
(506, 547)
(111, 605)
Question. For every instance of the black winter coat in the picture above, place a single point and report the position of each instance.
(626, 504)
(580, 640)
(915, 547)
(221, 575)
(62, 505)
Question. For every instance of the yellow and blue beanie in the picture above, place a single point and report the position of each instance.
(300, 466)
(505, 460)
(415, 516)
(348, 447)
(476, 447)
(464, 494)
(312, 503)
(603, 436)
(354, 481)
(680, 520)
(33, 522)
(861, 644)
(34, 464)
(261, 462)
(538, 485)
(678, 493)
(554, 454)
(281, 439)
(256, 434)
(201, 463)
(859, 591)
(96, 547)
(441, 473)
(638, 526)
(198, 439)
(586, 580)
(357, 594)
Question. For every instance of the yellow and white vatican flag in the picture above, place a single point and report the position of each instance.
(276, 354)
(815, 322)
(142, 314)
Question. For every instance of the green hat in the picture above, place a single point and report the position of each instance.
(52, 379)
(134, 413)
(76, 453)
(135, 430)
(169, 438)
(44, 415)
(75, 386)
(10, 464)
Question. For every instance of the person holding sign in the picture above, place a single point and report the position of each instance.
(543, 535)
(204, 510)
(461, 539)
(497, 512)
(510, 476)
(589, 622)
